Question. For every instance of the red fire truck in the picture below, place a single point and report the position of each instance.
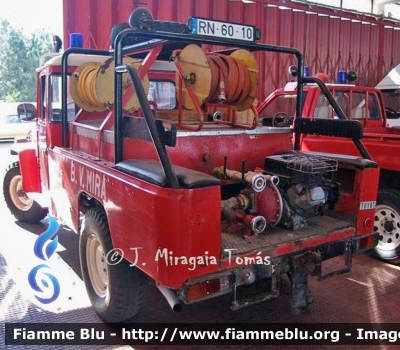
(365, 105)
(154, 154)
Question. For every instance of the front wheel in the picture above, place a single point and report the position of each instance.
(114, 290)
(387, 224)
(21, 206)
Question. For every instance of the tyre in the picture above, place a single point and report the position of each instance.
(387, 224)
(114, 290)
(21, 206)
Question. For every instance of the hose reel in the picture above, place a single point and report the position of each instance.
(217, 78)
(92, 86)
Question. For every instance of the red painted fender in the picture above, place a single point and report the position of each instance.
(29, 167)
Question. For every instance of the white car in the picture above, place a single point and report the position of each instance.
(12, 127)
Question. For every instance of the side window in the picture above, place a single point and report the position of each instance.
(323, 109)
(373, 106)
(55, 98)
(163, 94)
(281, 104)
(12, 119)
(42, 97)
(342, 98)
(359, 108)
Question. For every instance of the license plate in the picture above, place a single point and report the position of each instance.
(220, 29)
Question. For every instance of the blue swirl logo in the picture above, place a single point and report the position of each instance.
(39, 280)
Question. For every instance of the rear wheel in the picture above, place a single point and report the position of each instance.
(387, 224)
(21, 206)
(114, 290)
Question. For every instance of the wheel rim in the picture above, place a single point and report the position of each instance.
(97, 266)
(387, 224)
(18, 196)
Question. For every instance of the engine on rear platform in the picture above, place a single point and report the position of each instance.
(291, 188)
(306, 184)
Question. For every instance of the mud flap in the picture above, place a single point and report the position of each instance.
(300, 268)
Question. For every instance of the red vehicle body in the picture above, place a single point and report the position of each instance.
(365, 105)
(178, 181)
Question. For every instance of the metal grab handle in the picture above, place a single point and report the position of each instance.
(149, 117)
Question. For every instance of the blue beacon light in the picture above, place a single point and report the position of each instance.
(76, 40)
(341, 77)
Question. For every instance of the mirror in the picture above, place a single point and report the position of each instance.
(391, 113)
(26, 111)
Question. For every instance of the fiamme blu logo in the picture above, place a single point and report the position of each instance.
(40, 279)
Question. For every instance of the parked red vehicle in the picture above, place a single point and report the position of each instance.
(382, 142)
(153, 147)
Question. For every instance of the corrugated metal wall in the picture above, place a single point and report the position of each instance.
(330, 39)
